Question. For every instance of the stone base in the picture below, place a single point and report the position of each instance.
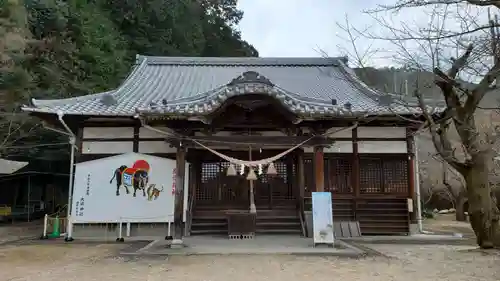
(414, 229)
(177, 244)
(308, 216)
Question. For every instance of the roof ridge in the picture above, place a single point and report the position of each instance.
(247, 61)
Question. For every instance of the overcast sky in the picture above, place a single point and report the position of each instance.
(299, 28)
(282, 28)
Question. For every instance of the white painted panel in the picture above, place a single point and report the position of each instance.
(382, 132)
(308, 149)
(95, 190)
(145, 133)
(108, 133)
(110, 147)
(339, 147)
(337, 133)
(382, 147)
(155, 147)
(256, 133)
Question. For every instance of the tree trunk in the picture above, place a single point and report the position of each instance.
(483, 211)
(460, 207)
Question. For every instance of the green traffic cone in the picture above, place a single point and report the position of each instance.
(55, 230)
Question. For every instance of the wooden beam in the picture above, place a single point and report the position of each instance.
(253, 140)
(179, 193)
(319, 168)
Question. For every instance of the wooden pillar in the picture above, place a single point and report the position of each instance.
(301, 180)
(179, 193)
(319, 168)
(410, 141)
(355, 172)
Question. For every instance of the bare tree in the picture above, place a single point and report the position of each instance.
(15, 129)
(469, 50)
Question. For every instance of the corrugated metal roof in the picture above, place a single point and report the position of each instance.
(195, 86)
(8, 167)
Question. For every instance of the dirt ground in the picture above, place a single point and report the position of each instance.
(20, 230)
(446, 223)
(101, 262)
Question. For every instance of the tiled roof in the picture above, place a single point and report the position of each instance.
(186, 86)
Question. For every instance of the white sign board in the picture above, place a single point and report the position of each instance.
(322, 218)
(130, 187)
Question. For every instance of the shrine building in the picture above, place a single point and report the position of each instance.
(330, 131)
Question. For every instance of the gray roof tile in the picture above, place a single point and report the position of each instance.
(195, 85)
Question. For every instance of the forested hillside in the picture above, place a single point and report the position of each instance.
(62, 48)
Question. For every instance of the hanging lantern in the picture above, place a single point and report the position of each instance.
(231, 170)
(251, 174)
(260, 170)
(242, 170)
(271, 170)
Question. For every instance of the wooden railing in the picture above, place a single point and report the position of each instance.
(189, 216)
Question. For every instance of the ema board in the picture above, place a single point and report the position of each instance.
(130, 187)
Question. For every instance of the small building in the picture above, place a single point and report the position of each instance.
(332, 133)
(30, 189)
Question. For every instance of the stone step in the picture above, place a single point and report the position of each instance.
(208, 231)
(279, 231)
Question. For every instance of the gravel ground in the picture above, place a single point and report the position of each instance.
(99, 262)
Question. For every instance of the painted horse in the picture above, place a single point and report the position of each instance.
(130, 177)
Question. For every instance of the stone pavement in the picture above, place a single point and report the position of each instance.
(260, 245)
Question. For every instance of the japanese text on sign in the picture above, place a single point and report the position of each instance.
(174, 177)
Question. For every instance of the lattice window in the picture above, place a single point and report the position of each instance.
(388, 174)
(395, 176)
(338, 172)
(280, 169)
(209, 171)
(211, 174)
(281, 188)
(370, 175)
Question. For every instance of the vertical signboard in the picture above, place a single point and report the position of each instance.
(322, 218)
